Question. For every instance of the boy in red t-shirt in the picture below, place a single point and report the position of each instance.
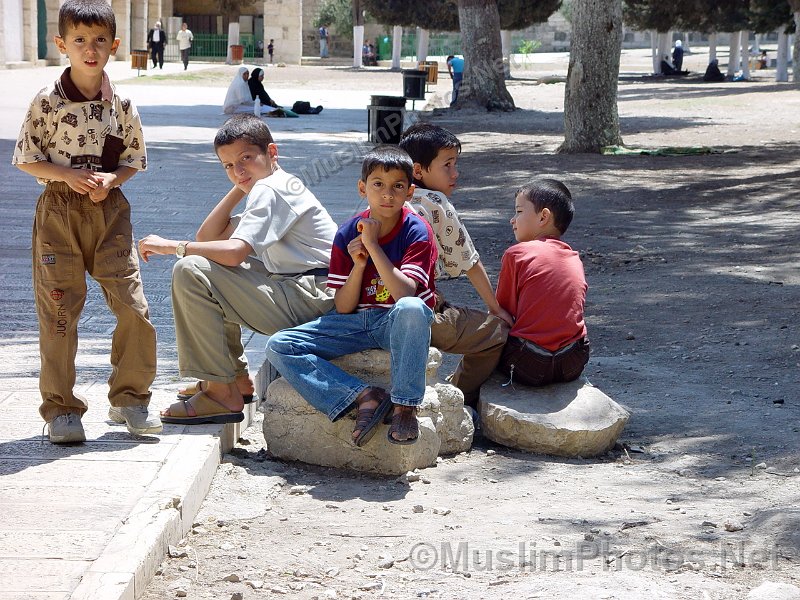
(543, 286)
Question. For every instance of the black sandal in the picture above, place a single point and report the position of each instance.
(404, 423)
(367, 419)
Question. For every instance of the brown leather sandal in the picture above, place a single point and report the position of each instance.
(367, 419)
(404, 424)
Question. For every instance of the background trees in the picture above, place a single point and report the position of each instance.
(591, 120)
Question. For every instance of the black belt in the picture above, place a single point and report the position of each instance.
(321, 272)
(536, 349)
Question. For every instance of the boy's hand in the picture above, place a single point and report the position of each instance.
(370, 229)
(503, 314)
(358, 252)
(82, 181)
(155, 244)
(105, 183)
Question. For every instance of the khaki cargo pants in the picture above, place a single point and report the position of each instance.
(72, 236)
(211, 302)
(476, 334)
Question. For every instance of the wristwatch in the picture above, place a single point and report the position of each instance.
(180, 251)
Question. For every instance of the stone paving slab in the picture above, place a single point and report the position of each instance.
(93, 521)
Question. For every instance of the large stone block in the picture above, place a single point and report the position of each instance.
(294, 430)
(444, 405)
(566, 419)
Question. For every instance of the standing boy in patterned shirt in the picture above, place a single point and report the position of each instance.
(382, 271)
(83, 141)
(479, 336)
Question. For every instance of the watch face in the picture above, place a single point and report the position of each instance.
(180, 251)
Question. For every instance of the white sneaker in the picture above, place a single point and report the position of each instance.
(66, 429)
(138, 419)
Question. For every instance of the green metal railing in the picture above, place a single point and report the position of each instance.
(210, 46)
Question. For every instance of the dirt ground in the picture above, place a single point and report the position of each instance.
(692, 263)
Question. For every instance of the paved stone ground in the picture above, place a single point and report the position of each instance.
(144, 491)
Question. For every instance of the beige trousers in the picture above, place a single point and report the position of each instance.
(211, 302)
(72, 236)
(476, 334)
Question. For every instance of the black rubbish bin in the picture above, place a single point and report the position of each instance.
(385, 118)
(414, 84)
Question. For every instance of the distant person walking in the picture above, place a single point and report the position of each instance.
(323, 41)
(156, 40)
(271, 49)
(185, 38)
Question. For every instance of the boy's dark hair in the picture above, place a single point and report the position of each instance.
(424, 141)
(86, 12)
(551, 194)
(249, 128)
(387, 157)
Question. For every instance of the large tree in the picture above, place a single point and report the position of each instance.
(591, 120)
(484, 82)
(480, 22)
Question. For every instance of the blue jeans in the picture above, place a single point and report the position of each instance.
(301, 354)
(457, 78)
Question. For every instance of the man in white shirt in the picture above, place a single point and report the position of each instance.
(185, 37)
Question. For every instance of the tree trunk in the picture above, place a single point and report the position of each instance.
(423, 37)
(358, 45)
(591, 120)
(233, 37)
(781, 61)
(745, 51)
(733, 53)
(484, 83)
(397, 45)
(505, 46)
(712, 48)
(796, 60)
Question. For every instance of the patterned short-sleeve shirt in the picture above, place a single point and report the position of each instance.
(457, 253)
(67, 129)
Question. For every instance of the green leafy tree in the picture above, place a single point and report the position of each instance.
(442, 15)
(338, 14)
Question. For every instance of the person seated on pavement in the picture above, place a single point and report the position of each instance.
(542, 284)
(256, 85)
(238, 97)
(264, 268)
(382, 271)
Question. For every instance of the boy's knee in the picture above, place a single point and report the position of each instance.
(413, 311)
(184, 270)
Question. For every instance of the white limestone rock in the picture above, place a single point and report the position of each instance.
(566, 419)
(294, 430)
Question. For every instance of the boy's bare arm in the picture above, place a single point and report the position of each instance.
(346, 298)
(217, 225)
(229, 253)
(480, 281)
(82, 181)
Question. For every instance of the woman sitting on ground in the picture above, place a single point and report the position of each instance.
(238, 97)
(257, 89)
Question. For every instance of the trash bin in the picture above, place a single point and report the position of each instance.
(431, 67)
(414, 84)
(385, 118)
(237, 53)
(139, 59)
